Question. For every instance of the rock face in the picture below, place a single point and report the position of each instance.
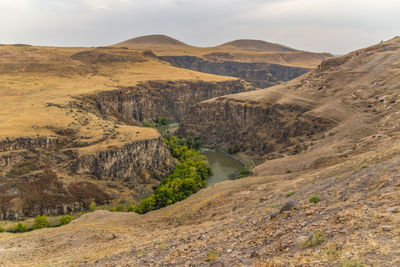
(44, 193)
(261, 75)
(29, 187)
(169, 99)
(128, 163)
(254, 129)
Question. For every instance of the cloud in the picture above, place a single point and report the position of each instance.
(335, 26)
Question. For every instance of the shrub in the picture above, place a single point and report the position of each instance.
(314, 199)
(66, 219)
(92, 206)
(289, 194)
(317, 238)
(243, 172)
(21, 227)
(40, 222)
(120, 207)
(233, 150)
(1, 229)
(161, 121)
(332, 250)
(131, 208)
(211, 255)
(148, 124)
(364, 165)
(351, 263)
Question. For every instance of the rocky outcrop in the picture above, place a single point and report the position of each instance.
(28, 143)
(170, 99)
(131, 162)
(255, 129)
(44, 193)
(261, 75)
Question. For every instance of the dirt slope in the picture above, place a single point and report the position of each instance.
(250, 222)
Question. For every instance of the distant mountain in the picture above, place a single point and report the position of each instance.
(156, 40)
(256, 45)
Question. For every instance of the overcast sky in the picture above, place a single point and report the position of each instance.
(337, 26)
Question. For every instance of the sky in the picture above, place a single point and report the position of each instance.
(335, 26)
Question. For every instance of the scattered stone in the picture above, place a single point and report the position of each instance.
(387, 228)
(217, 264)
(274, 215)
(229, 251)
(349, 255)
(254, 254)
(291, 204)
(392, 209)
(309, 212)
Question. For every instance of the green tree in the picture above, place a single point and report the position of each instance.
(66, 219)
(92, 206)
(21, 227)
(40, 222)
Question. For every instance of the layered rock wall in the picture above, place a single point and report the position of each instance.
(170, 99)
(255, 129)
(259, 74)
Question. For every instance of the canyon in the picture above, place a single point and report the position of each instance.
(325, 145)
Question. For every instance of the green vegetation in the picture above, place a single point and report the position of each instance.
(211, 255)
(66, 219)
(243, 172)
(40, 222)
(21, 227)
(148, 124)
(332, 250)
(317, 238)
(131, 208)
(314, 199)
(160, 121)
(233, 150)
(1, 230)
(120, 207)
(289, 194)
(364, 165)
(351, 263)
(188, 177)
(92, 206)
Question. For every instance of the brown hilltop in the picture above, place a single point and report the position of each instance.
(156, 40)
(256, 45)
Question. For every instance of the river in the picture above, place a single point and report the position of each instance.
(224, 167)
